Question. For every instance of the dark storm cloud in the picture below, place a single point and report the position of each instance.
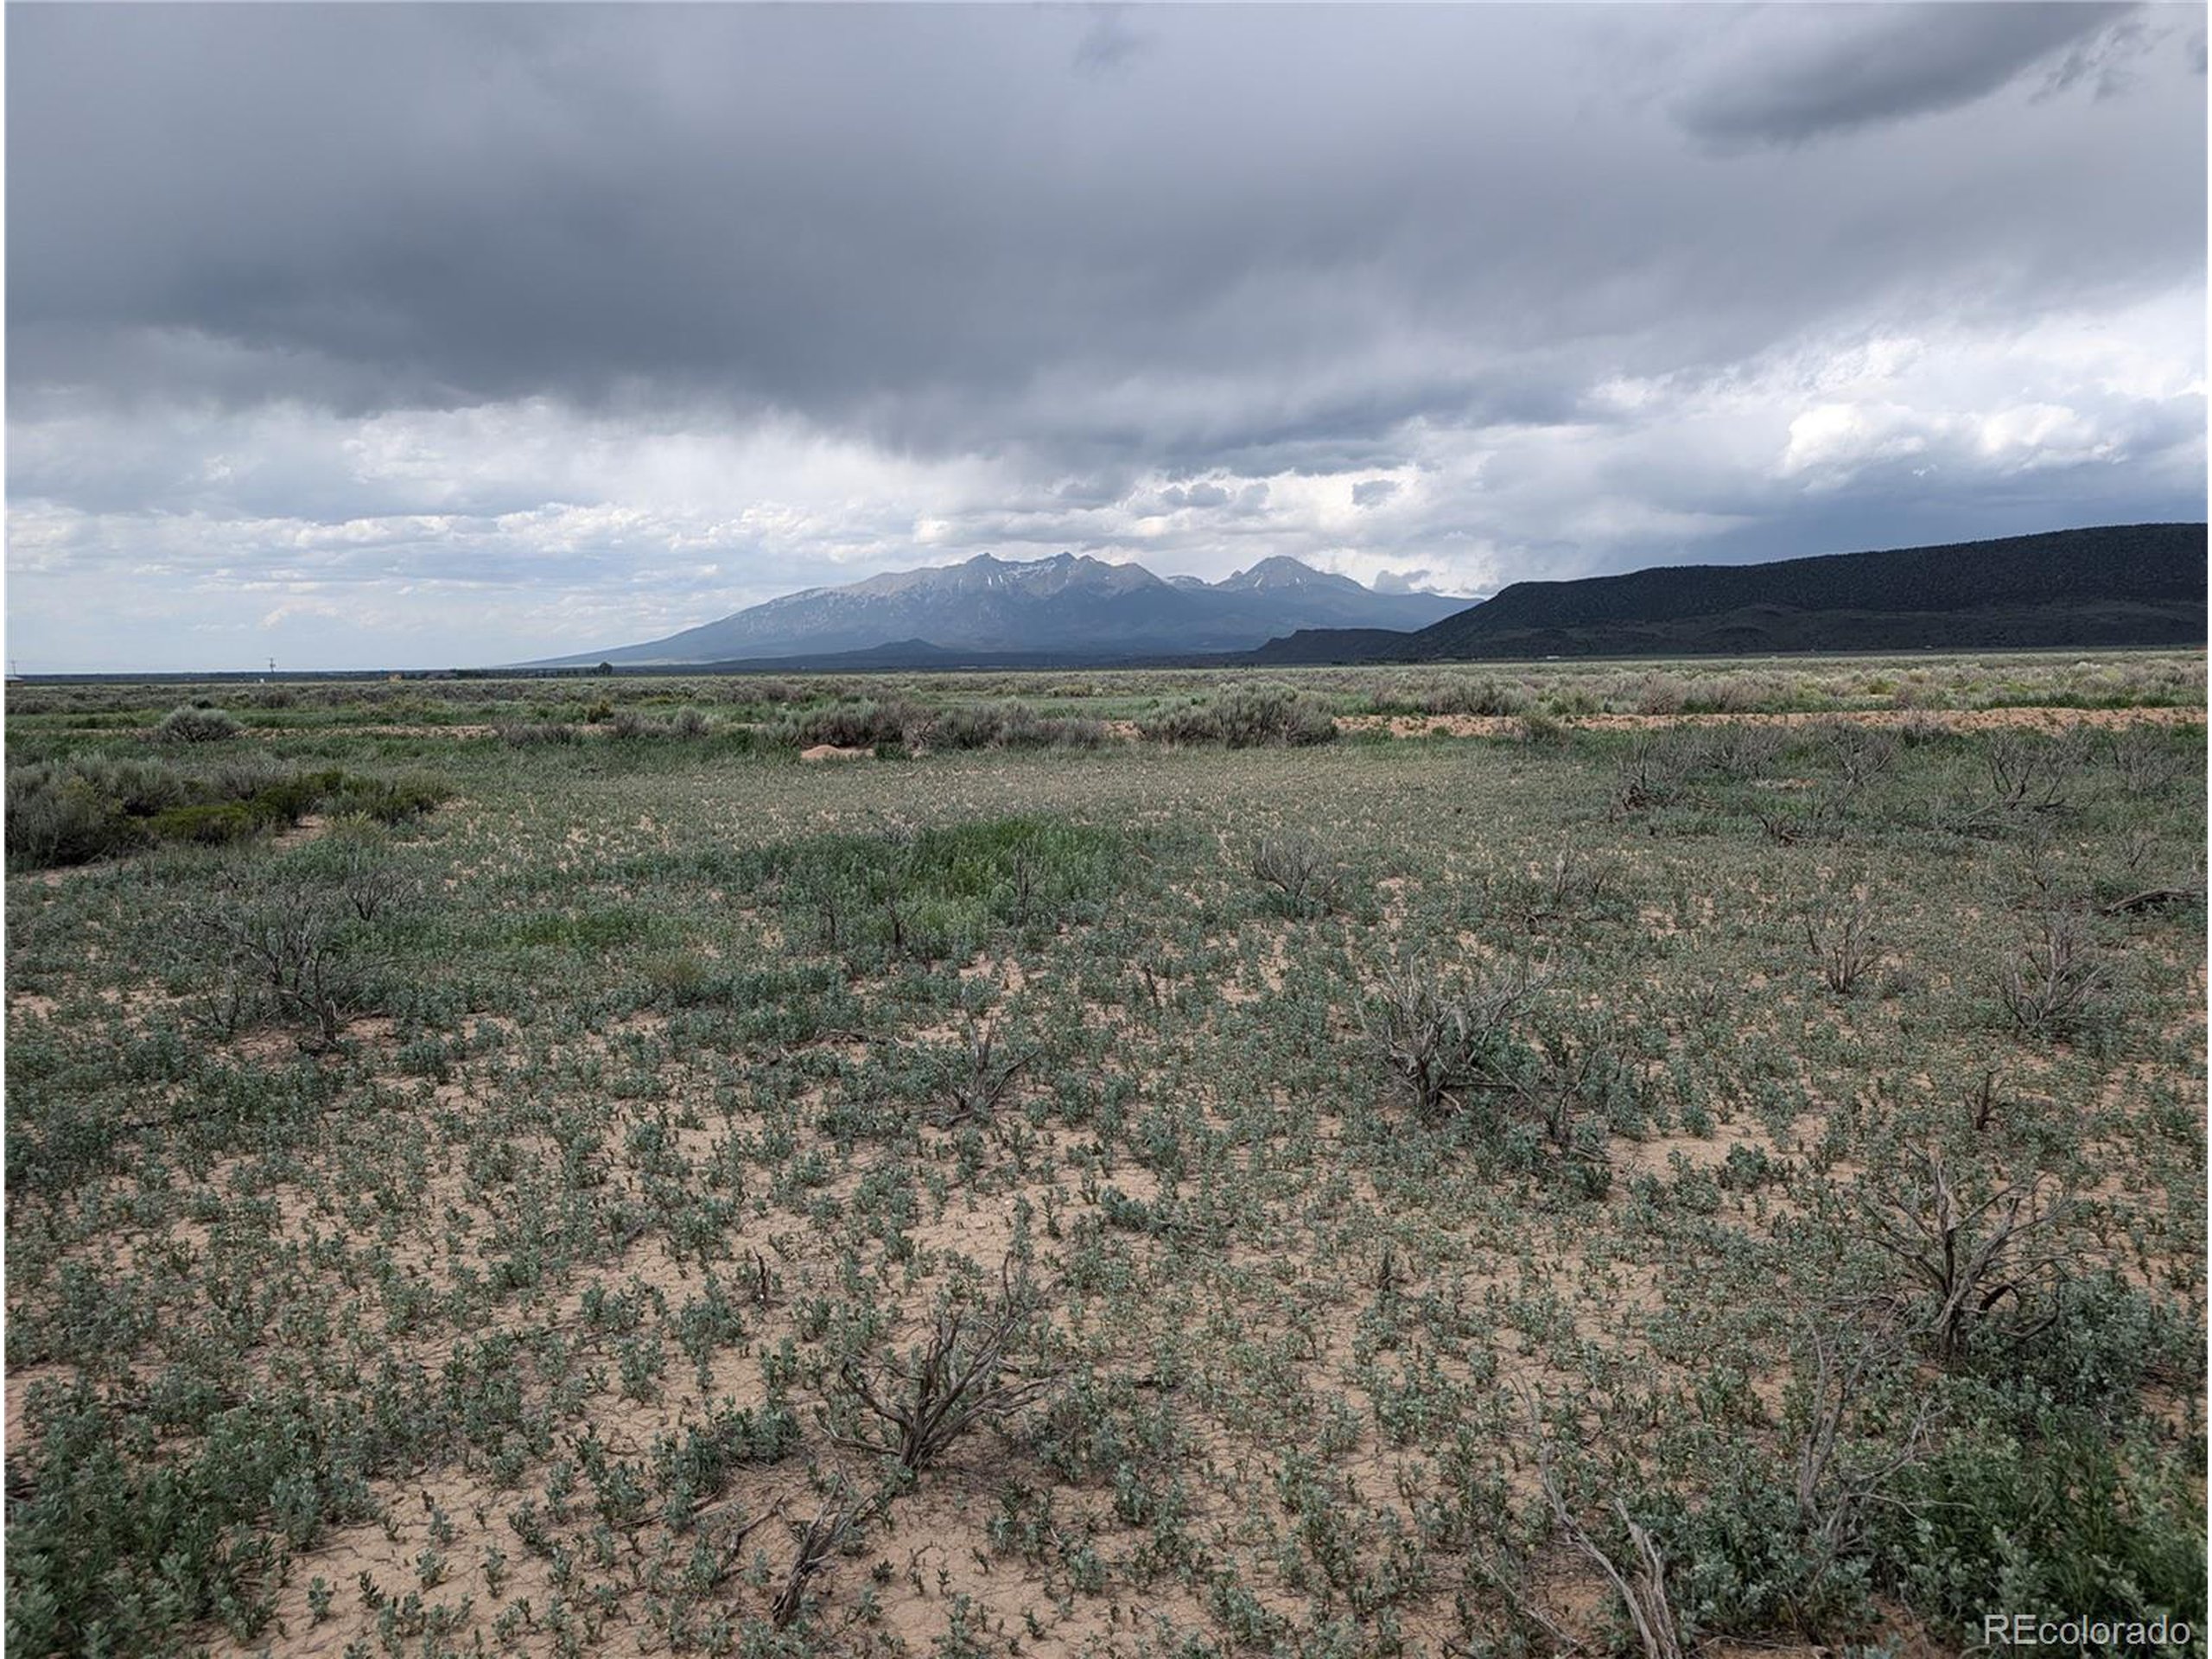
(922, 221)
(1828, 70)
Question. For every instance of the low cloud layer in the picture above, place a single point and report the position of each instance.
(421, 335)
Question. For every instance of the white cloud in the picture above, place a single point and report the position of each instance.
(1832, 441)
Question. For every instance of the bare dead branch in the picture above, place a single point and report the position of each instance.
(1964, 1256)
(1437, 1037)
(1641, 1585)
(2049, 983)
(817, 1545)
(975, 1076)
(949, 1384)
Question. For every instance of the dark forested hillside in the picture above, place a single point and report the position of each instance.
(2114, 585)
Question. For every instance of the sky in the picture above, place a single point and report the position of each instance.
(429, 335)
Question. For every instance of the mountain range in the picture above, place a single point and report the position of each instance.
(1065, 605)
(2104, 585)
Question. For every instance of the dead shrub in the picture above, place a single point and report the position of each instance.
(2030, 774)
(1300, 870)
(1963, 1254)
(2049, 985)
(1566, 886)
(2143, 760)
(1641, 1583)
(1840, 934)
(535, 734)
(1649, 775)
(285, 952)
(975, 1075)
(1738, 752)
(1859, 753)
(1442, 1039)
(1837, 1482)
(912, 1412)
(814, 1547)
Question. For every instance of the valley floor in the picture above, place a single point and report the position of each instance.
(1346, 1197)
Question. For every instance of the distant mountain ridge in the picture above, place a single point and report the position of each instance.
(1067, 604)
(2111, 585)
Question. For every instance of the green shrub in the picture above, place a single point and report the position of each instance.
(82, 1540)
(530, 733)
(1743, 1561)
(1005, 725)
(2093, 1344)
(2067, 1523)
(91, 807)
(860, 725)
(941, 893)
(973, 725)
(1485, 696)
(1246, 717)
(907, 726)
(141, 788)
(190, 724)
(685, 722)
(1078, 733)
(391, 800)
(55, 818)
(208, 825)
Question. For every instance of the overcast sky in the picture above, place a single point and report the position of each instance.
(390, 335)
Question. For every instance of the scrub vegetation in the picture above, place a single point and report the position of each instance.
(1376, 1161)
